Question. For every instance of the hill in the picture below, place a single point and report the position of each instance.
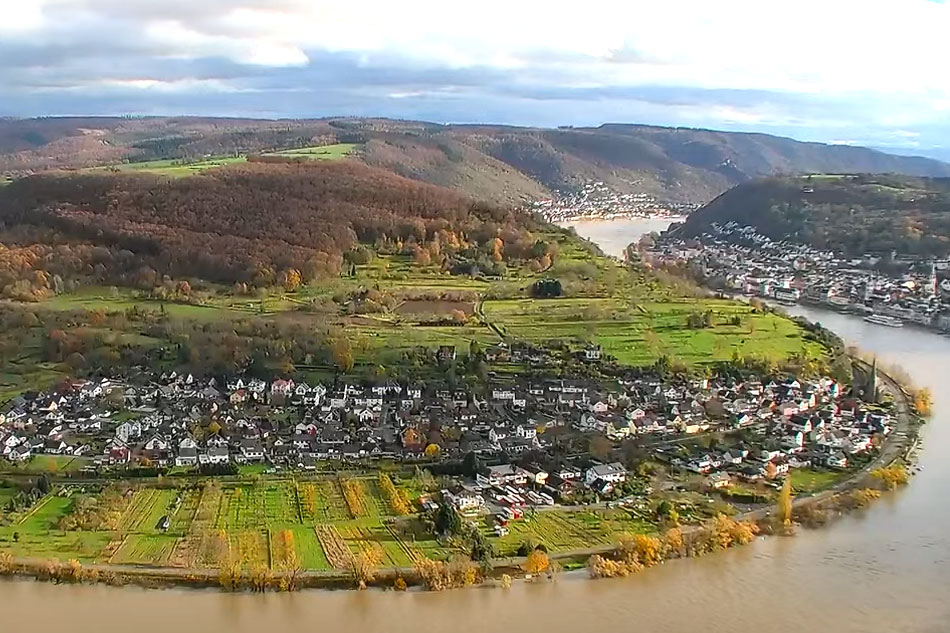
(248, 223)
(853, 214)
(280, 266)
(502, 164)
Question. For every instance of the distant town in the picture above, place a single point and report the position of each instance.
(599, 201)
(889, 290)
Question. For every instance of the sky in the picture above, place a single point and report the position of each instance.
(867, 72)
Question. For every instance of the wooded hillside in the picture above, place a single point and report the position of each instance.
(497, 163)
(250, 224)
(849, 214)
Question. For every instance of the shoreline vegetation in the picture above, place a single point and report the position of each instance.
(630, 554)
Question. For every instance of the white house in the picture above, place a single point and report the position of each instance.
(613, 473)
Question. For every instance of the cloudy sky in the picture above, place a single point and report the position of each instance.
(870, 72)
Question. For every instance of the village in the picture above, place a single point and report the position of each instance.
(890, 291)
(528, 443)
(596, 200)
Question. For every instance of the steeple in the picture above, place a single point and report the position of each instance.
(870, 393)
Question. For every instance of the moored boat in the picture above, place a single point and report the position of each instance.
(883, 319)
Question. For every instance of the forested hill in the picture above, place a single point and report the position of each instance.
(491, 162)
(850, 214)
(251, 224)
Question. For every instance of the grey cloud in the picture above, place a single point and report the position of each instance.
(60, 73)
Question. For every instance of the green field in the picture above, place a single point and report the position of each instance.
(144, 549)
(253, 517)
(809, 480)
(560, 530)
(52, 464)
(320, 152)
(638, 334)
(173, 167)
(177, 167)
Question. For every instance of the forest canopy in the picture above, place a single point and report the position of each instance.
(849, 214)
(258, 224)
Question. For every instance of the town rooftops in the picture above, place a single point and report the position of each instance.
(607, 470)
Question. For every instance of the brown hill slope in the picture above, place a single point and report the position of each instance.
(499, 163)
(245, 223)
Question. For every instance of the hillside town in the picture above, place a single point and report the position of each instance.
(598, 201)
(889, 290)
(524, 433)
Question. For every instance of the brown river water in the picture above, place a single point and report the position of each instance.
(883, 569)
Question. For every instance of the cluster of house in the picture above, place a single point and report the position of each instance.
(179, 420)
(509, 487)
(738, 258)
(791, 424)
(827, 437)
(597, 200)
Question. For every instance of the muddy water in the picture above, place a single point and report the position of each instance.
(885, 569)
(613, 236)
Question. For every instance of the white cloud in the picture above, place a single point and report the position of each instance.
(877, 61)
(807, 46)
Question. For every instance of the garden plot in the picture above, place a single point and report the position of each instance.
(144, 549)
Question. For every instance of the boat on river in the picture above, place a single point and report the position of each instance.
(883, 319)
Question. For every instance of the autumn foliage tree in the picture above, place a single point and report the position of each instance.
(342, 354)
(923, 401)
(289, 279)
(784, 503)
(536, 562)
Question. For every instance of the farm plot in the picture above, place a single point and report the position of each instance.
(562, 531)
(355, 495)
(144, 549)
(280, 503)
(84, 546)
(209, 503)
(396, 498)
(319, 152)
(307, 500)
(376, 502)
(146, 509)
(45, 515)
(250, 548)
(331, 506)
(205, 548)
(255, 506)
(201, 544)
(309, 551)
(362, 537)
(181, 520)
(334, 546)
(298, 545)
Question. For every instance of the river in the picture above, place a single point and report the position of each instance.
(884, 569)
(613, 236)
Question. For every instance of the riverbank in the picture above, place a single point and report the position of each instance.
(896, 449)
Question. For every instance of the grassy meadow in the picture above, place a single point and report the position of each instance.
(177, 168)
(633, 315)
